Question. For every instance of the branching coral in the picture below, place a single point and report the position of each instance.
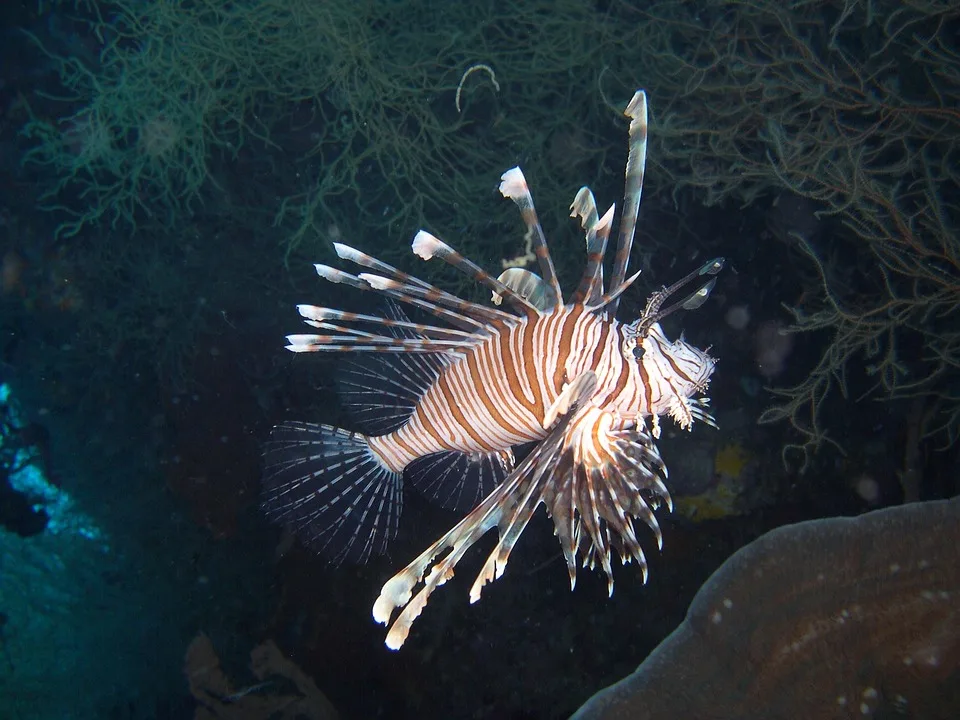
(368, 87)
(854, 105)
(140, 126)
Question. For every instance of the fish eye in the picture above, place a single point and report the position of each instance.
(638, 352)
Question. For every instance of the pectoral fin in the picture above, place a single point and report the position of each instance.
(575, 393)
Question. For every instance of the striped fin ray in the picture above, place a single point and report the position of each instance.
(331, 274)
(513, 185)
(598, 231)
(345, 252)
(530, 286)
(700, 410)
(404, 293)
(299, 343)
(345, 329)
(613, 295)
(596, 481)
(316, 316)
(339, 277)
(326, 486)
(636, 161)
(606, 498)
(584, 207)
(403, 285)
(427, 247)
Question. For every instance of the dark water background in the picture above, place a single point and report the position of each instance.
(144, 353)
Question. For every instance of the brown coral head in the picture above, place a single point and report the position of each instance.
(844, 617)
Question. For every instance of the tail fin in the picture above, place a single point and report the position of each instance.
(326, 485)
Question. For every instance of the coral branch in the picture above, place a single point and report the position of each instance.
(858, 113)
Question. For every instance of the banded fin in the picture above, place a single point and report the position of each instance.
(528, 285)
(598, 231)
(636, 110)
(345, 252)
(427, 247)
(513, 185)
(381, 391)
(300, 343)
(320, 317)
(421, 338)
(700, 410)
(328, 487)
(613, 296)
(584, 207)
(336, 276)
(407, 293)
(406, 288)
(459, 481)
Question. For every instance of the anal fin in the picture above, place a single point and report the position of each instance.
(459, 481)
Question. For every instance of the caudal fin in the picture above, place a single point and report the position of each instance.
(326, 485)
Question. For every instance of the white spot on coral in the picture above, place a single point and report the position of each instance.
(727, 603)
(870, 694)
(716, 618)
(841, 700)
(894, 568)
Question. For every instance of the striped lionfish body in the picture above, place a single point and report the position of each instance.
(446, 403)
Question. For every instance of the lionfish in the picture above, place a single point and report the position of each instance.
(447, 404)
